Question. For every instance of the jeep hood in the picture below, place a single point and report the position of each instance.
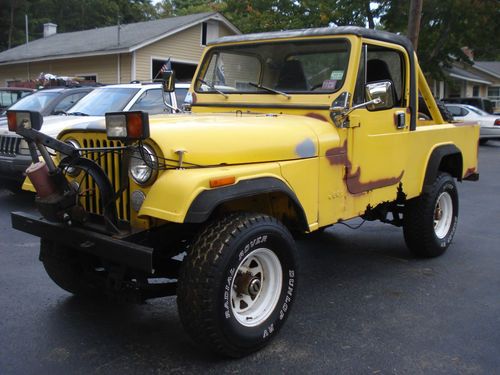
(231, 139)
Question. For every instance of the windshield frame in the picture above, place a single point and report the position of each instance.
(221, 48)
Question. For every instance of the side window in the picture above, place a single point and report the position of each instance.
(68, 102)
(464, 112)
(151, 101)
(381, 64)
(455, 111)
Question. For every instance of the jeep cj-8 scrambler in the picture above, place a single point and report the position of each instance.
(291, 132)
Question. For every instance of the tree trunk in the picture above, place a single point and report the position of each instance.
(414, 21)
(369, 15)
(11, 26)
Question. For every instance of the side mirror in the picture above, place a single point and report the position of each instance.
(168, 81)
(383, 91)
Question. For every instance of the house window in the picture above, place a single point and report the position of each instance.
(475, 91)
(88, 78)
(494, 93)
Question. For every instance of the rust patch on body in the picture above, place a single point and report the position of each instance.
(338, 156)
(469, 173)
(317, 116)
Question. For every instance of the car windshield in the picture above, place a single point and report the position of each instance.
(102, 100)
(274, 68)
(478, 111)
(35, 102)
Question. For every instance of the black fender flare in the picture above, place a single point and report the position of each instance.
(434, 162)
(207, 201)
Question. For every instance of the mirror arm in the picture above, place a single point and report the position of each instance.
(340, 113)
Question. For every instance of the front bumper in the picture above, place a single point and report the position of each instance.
(117, 250)
(13, 167)
(489, 132)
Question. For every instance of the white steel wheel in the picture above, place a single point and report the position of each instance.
(238, 283)
(443, 215)
(256, 288)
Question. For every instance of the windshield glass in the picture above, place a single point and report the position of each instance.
(290, 67)
(35, 102)
(102, 100)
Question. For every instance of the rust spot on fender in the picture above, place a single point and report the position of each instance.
(317, 116)
(338, 156)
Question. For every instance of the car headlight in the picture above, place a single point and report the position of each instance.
(143, 165)
(72, 171)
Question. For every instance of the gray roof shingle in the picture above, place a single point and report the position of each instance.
(100, 40)
(491, 67)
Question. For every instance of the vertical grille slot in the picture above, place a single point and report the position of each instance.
(9, 146)
(110, 162)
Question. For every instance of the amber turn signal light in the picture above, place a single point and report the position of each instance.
(224, 181)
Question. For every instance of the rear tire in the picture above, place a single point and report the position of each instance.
(430, 220)
(238, 283)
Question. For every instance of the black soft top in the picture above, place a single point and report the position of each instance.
(383, 36)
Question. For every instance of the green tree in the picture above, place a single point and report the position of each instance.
(446, 27)
(69, 15)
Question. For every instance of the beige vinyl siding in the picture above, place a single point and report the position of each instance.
(224, 30)
(13, 72)
(184, 46)
(105, 67)
(125, 67)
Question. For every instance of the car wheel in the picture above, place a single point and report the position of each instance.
(238, 283)
(430, 220)
(72, 271)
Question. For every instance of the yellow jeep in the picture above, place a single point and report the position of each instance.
(290, 132)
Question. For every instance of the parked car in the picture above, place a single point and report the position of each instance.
(90, 110)
(50, 101)
(485, 104)
(490, 124)
(10, 95)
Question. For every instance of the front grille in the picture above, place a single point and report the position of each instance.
(111, 163)
(9, 145)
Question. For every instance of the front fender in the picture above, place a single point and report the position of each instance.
(172, 195)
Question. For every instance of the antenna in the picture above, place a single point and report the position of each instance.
(119, 29)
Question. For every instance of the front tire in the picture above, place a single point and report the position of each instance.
(238, 283)
(70, 270)
(430, 220)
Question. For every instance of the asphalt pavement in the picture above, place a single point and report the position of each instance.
(365, 305)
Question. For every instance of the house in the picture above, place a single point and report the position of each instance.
(481, 79)
(117, 54)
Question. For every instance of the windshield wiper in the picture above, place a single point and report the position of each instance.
(77, 114)
(269, 89)
(212, 87)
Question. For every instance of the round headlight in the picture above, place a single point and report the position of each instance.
(141, 163)
(72, 171)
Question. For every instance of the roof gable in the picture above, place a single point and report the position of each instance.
(105, 40)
